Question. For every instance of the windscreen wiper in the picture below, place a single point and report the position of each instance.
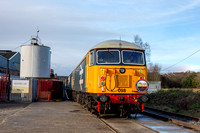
(111, 53)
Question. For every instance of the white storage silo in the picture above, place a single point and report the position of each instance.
(35, 61)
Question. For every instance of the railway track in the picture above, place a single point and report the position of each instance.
(181, 120)
(142, 123)
(123, 125)
(110, 127)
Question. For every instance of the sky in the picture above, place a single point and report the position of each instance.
(72, 27)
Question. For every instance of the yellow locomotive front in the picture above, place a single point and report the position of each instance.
(116, 72)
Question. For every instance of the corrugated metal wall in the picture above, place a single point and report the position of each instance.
(50, 88)
(3, 62)
(34, 86)
(14, 63)
(38, 89)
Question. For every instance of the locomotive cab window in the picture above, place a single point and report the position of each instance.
(133, 57)
(108, 57)
(91, 58)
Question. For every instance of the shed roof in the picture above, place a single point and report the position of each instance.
(7, 53)
(117, 44)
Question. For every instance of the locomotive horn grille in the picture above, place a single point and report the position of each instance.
(122, 81)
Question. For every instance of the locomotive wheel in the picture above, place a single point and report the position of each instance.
(86, 103)
(74, 96)
(89, 103)
(77, 98)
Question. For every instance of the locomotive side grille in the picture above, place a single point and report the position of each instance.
(122, 81)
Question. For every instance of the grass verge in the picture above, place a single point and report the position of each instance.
(177, 101)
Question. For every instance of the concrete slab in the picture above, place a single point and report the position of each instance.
(52, 117)
(9, 108)
(123, 125)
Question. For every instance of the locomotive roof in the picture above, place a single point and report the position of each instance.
(117, 44)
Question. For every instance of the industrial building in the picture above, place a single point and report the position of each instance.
(35, 82)
(11, 58)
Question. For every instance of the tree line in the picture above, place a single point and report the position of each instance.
(187, 79)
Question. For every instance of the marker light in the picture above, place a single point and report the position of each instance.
(136, 100)
(102, 78)
(102, 84)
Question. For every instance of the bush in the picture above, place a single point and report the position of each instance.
(176, 101)
(189, 81)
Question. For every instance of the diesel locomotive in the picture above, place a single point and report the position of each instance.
(111, 79)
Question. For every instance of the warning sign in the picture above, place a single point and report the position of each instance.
(20, 86)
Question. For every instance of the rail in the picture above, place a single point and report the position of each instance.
(182, 120)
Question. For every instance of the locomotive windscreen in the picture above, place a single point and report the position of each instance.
(132, 57)
(108, 57)
(128, 57)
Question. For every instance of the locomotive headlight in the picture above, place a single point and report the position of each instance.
(122, 70)
(142, 85)
(143, 98)
(103, 98)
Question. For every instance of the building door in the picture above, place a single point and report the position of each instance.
(3, 83)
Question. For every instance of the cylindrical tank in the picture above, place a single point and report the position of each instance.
(35, 61)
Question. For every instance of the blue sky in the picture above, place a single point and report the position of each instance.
(71, 28)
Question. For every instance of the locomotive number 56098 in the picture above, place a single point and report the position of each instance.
(121, 90)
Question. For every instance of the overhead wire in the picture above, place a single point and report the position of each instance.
(15, 48)
(20, 45)
(181, 60)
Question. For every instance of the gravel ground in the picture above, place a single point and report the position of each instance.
(195, 123)
(9, 108)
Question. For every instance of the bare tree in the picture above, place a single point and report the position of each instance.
(138, 41)
(153, 72)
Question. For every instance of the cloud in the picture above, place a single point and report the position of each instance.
(180, 68)
(183, 6)
(71, 28)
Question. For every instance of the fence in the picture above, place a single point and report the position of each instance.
(3, 84)
(24, 90)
